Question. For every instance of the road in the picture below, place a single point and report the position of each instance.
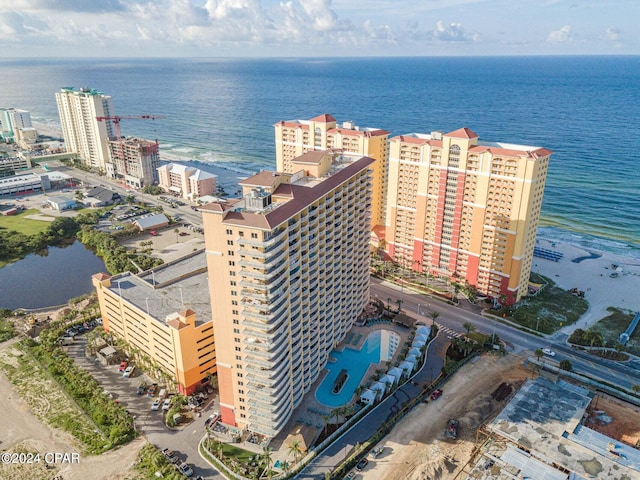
(517, 341)
(183, 441)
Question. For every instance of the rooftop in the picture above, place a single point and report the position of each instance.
(545, 418)
(179, 285)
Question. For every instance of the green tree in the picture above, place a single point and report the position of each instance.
(469, 327)
(636, 388)
(267, 457)
(294, 449)
(565, 365)
(538, 353)
(434, 316)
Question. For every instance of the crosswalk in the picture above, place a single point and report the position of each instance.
(450, 333)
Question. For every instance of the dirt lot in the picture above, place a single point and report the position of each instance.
(614, 419)
(21, 431)
(417, 447)
(168, 244)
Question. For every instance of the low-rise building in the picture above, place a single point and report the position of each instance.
(151, 222)
(188, 182)
(61, 202)
(25, 183)
(100, 197)
(164, 313)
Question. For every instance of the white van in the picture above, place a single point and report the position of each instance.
(163, 393)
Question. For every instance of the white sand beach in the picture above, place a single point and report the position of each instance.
(593, 276)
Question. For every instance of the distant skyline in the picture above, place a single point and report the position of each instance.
(311, 28)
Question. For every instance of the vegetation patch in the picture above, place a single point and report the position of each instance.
(551, 310)
(150, 462)
(611, 326)
(66, 396)
(7, 329)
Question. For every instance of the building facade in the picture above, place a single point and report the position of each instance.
(188, 182)
(296, 137)
(291, 263)
(165, 314)
(465, 209)
(16, 127)
(134, 161)
(83, 134)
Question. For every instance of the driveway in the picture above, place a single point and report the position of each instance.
(183, 441)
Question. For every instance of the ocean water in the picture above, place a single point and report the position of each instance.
(222, 111)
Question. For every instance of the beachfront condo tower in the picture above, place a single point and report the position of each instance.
(465, 210)
(288, 275)
(295, 137)
(83, 134)
(134, 161)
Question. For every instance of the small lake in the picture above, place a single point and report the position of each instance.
(41, 281)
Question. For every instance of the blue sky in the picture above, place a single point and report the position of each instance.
(262, 28)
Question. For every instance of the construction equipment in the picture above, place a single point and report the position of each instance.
(116, 121)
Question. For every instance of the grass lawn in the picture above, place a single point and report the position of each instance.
(553, 309)
(241, 455)
(24, 225)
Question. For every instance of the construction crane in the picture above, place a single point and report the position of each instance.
(116, 120)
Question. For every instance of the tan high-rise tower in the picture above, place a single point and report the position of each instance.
(295, 137)
(288, 274)
(465, 209)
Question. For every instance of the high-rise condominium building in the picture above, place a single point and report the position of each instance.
(289, 267)
(295, 137)
(466, 209)
(134, 161)
(83, 134)
(15, 127)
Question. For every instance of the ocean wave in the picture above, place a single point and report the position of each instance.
(589, 242)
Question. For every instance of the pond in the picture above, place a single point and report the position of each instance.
(51, 279)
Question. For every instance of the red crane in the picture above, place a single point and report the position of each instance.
(116, 120)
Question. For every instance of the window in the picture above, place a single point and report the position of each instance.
(238, 357)
(242, 406)
(238, 349)
(236, 339)
(238, 366)
(229, 231)
(234, 293)
(236, 330)
(239, 374)
(229, 242)
(242, 415)
(233, 283)
(235, 320)
(234, 302)
(232, 273)
(241, 233)
(254, 235)
(235, 312)
(240, 383)
(230, 253)
(232, 263)
(241, 392)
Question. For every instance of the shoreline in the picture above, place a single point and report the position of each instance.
(590, 271)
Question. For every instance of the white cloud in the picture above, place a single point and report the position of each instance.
(613, 34)
(453, 32)
(560, 36)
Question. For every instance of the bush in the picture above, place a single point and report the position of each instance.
(566, 365)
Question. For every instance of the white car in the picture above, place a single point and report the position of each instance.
(128, 371)
(548, 352)
(166, 405)
(155, 405)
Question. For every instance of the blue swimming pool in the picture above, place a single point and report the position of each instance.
(378, 347)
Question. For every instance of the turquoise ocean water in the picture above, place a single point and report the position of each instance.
(585, 109)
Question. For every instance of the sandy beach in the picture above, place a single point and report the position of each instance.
(590, 271)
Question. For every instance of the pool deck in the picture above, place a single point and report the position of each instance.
(313, 414)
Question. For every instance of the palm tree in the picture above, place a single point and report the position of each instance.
(294, 448)
(389, 303)
(285, 466)
(336, 412)
(636, 388)
(434, 315)
(538, 353)
(176, 231)
(399, 302)
(266, 456)
(469, 327)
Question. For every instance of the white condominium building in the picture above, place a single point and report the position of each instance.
(83, 134)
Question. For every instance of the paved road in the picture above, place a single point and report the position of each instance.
(622, 374)
(333, 455)
(150, 423)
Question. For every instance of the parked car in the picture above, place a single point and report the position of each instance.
(351, 475)
(185, 469)
(155, 405)
(142, 388)
(436, 394)
(362, 464)
(376, 451)
(122, 367)
(170, 455)
(151, 390)
(166, 405)
(153, 233)
(128, 371)
(548, 352)
(452, 428)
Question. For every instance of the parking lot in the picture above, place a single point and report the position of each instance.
(150, 423)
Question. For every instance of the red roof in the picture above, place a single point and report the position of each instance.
(101, 276)
(325, 118)
(462, 133)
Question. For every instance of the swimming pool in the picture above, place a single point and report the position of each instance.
(378, 347)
